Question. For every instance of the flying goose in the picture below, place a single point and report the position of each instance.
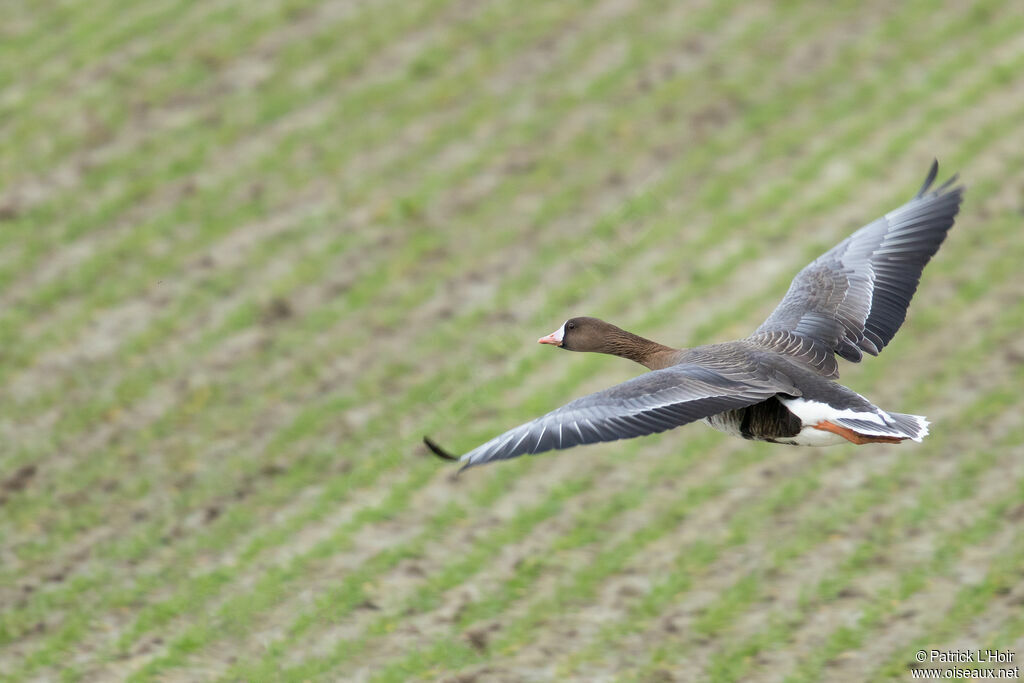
(777, 385)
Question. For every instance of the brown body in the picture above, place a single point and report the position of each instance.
(778, 384)
(770, 420)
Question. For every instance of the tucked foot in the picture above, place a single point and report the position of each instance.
(854, 437)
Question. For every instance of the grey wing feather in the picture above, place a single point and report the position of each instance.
(651, 403)
(855, 297)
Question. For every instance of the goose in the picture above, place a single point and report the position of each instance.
(776, 385)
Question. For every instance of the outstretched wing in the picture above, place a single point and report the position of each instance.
(648, 404)
(854, 297)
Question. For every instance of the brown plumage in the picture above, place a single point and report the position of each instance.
(778, 384)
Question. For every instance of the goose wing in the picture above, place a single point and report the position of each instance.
(654, 402)
(854, 297)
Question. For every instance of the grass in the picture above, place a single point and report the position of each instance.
(254, 253)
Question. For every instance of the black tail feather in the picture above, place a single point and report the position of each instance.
(437, 450)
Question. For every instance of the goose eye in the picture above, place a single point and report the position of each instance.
(571, 325)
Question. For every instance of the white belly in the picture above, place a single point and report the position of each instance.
(811, 436)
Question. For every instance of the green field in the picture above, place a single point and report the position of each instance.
(251, 252)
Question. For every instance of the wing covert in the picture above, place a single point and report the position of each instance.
(648, 404)
(854, 298)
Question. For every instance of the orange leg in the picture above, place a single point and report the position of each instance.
(854, 437)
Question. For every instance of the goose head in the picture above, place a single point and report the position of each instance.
(586, 334)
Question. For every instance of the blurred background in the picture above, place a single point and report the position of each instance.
(252, 252)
